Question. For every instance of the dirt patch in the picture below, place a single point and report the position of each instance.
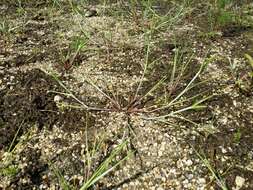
(227, 144)
(233, 31)
(27, 101)
(32, 172)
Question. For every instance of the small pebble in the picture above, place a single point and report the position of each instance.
(57, 98)
(239, 181)
(202, 180)
(188, 162)
(90, 13)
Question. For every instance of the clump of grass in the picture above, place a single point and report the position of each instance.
(56, 3)
(93, 172)
(165, 104)
(7, 27)
(242, 80)
(104, 168)
(92, 177)
(4, 27)
(250, 61)
(169, 81)
(180, 98)
(20, 8)
(237, 136)
(76, 46)
(9, 171)
(9, 168)
(224, 15)
(221, 14)
(245, 81)
(62, 181)
(147, 15)
(175, 105)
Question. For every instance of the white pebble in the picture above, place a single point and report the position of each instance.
(188, 162)
(239, 181)
(202, 180)
(57, 98)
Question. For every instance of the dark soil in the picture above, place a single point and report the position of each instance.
(27, 101)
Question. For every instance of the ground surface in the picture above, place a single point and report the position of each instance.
(99, 52)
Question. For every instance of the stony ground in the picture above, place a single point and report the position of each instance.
(73, 78)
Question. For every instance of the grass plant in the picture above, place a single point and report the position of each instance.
(243, 82)
(92, 177)
(6, 27)
(147, 15)
(250, 61)
(220, 14)
(157, 23)
(76, 46)
(104, 168)
(215, 174)
(174, 80)
(56, 3)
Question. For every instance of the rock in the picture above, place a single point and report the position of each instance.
(188, 162)
(57, 98)
(239, 182)
(202, 181)
(90, 13)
